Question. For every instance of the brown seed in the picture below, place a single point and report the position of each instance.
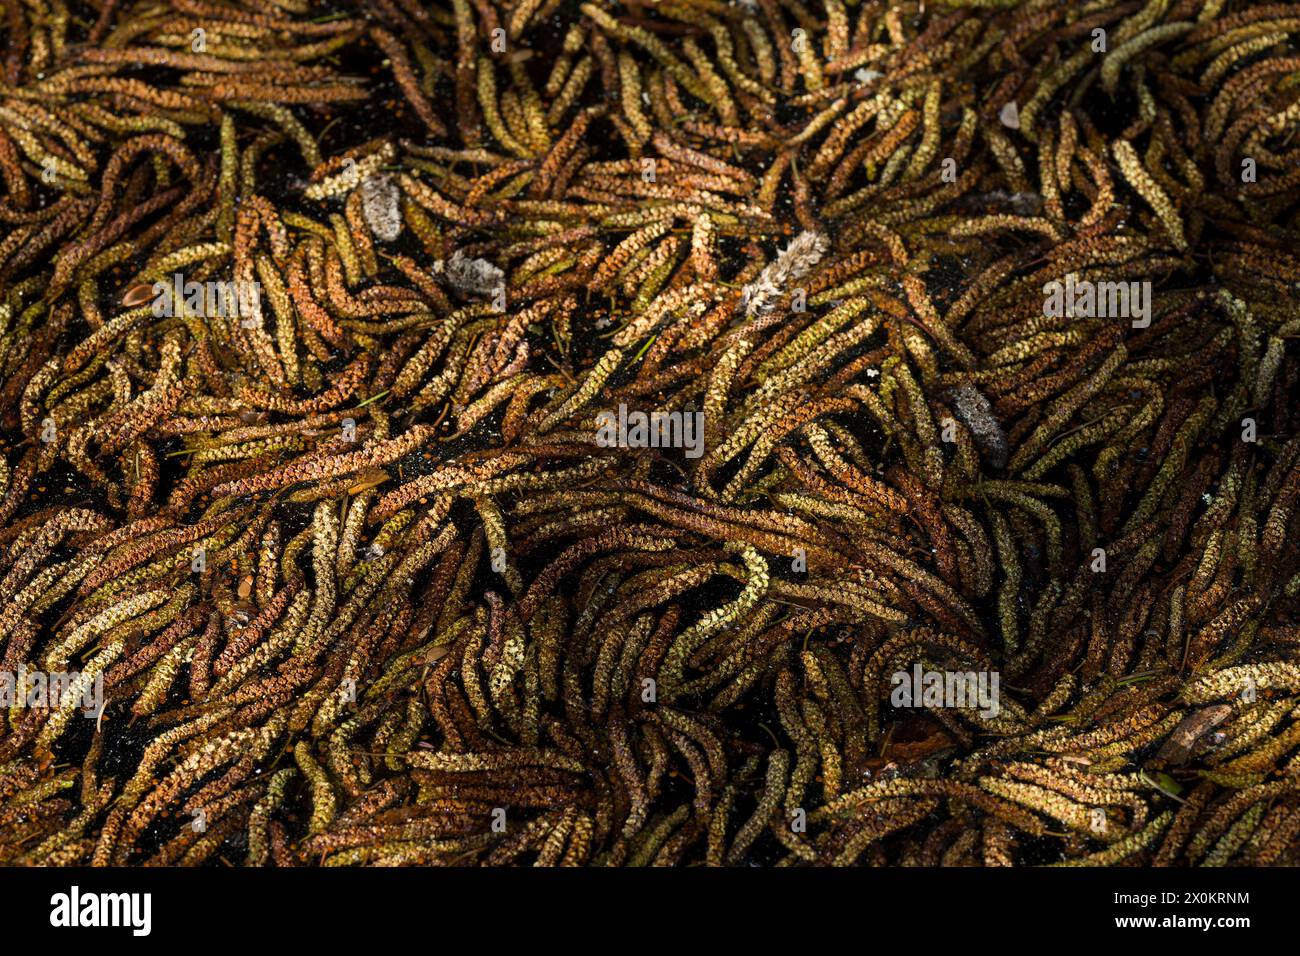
(367, 480)
(137, 295)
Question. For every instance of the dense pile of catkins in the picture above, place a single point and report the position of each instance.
(485, 432)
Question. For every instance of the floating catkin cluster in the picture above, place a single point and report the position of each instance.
(358, 586)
